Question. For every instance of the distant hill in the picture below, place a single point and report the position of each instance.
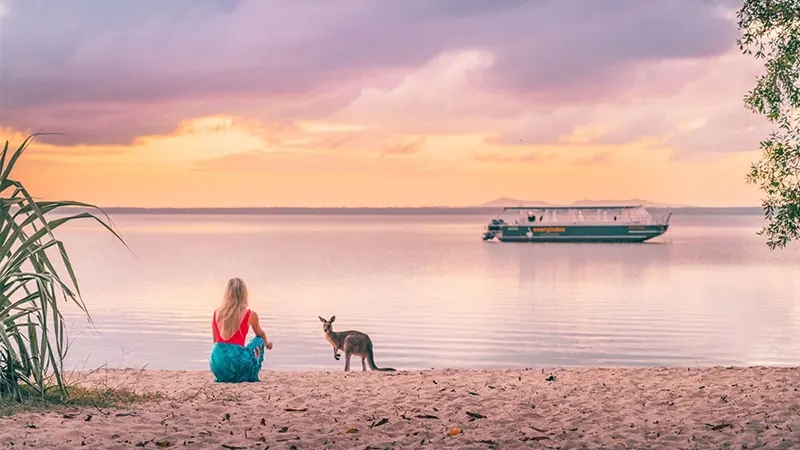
(629, 202)
(505, 201)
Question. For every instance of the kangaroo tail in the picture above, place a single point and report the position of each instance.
(371, 362)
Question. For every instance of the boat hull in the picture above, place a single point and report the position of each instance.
(575, 233)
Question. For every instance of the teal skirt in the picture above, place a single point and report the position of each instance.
(231, 363)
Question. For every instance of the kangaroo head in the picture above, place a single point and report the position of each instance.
(327, 325)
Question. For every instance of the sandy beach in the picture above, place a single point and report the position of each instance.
(564, 408)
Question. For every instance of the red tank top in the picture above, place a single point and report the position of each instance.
(239, 336)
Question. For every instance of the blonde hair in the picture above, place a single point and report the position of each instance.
(234, 304)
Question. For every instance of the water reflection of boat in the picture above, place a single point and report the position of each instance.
(576, 224)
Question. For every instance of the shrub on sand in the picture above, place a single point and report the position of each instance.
(36, 276)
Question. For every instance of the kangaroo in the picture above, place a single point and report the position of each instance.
(353, 343)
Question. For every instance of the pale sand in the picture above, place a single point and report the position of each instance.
(582, 408)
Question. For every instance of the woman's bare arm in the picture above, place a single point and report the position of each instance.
(258, 330)
(213, 333)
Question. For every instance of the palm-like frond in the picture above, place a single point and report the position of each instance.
(35, 275)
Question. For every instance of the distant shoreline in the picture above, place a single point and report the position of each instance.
(442, 211)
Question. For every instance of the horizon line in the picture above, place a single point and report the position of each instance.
(378, 208)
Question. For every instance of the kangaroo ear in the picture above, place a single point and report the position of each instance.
(321, 319)
(332, 319)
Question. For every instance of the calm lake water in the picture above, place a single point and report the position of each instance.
(430, 293)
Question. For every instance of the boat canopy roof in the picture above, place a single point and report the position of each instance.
(565, 208)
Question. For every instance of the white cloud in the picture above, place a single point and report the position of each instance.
(445, 95)
(704, 115)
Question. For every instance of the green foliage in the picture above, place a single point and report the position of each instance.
(35, 276)
(771, 32)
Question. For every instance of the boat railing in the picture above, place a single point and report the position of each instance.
(661, 219)
(641, 217)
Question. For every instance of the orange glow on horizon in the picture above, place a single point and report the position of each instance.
(218, 162)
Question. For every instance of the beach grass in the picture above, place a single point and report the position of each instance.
(79, 397)
(93, 390)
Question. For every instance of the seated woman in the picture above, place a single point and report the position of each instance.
(232, 361)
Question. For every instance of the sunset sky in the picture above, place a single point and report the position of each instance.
(379, 102)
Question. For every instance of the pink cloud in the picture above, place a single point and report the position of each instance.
(405, 148)
(597, 159)
(111, 72)
(502, 158)
(308, 163)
